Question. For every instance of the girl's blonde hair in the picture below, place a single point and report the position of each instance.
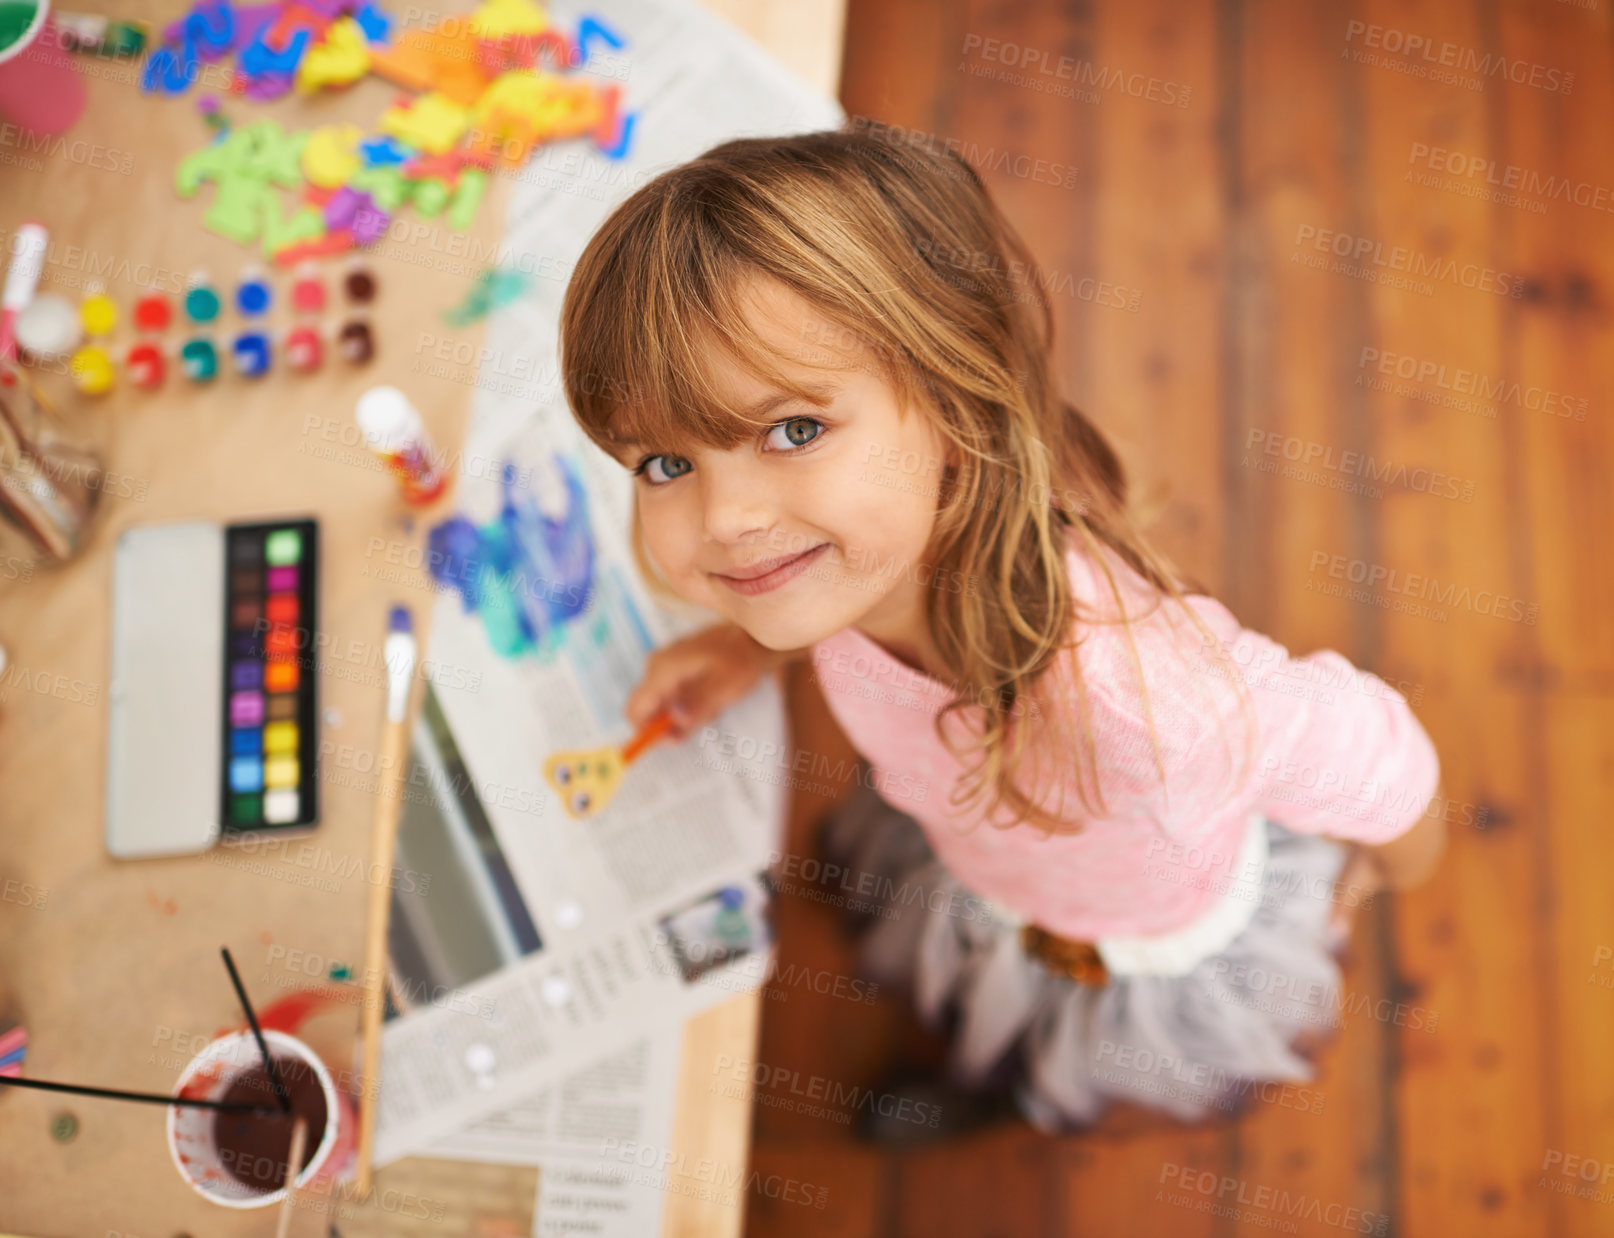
(902, 251)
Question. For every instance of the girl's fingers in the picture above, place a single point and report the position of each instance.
(669, 688)
(664, 675)
(682, 721)
(693, 679)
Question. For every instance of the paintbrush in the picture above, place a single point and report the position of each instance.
(399, 653)
(587, 779)
(269, 1066)
(294, 1162)
(152, 1098)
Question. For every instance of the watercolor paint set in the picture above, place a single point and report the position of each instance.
(269, 719)
(213, 714)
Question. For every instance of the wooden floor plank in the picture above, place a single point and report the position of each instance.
(1562, 673)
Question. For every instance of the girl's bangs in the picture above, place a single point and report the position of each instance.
(655, 388)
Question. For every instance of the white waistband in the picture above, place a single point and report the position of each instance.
(1180, 951)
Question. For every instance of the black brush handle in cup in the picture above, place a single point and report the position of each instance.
(155, 1098)
(263, 1045)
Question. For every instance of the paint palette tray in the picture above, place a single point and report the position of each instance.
(213, 712)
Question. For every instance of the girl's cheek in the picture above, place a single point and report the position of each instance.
(669, 538)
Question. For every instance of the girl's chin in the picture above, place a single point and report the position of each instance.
(788, 631)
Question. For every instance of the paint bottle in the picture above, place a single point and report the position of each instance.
(393, 430)
(250, 349)
(201, 302)
(304, 349)
(48, 328)
(145, 366)
(308, 292)
(359, 284)
(98, 313)
(253, 295)
(199, 359)
(730, 922)
(153, 312)
(356, 341)
(92, 370)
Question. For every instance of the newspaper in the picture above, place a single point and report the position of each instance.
(622, 1101)
(558, 958)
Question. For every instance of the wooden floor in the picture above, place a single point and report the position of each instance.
(1493, 1121)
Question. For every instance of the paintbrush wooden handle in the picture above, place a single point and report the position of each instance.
(383, 843)
(294, 1165)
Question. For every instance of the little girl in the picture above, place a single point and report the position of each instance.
(1099, 838)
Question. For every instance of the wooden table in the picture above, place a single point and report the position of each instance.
(114, 965)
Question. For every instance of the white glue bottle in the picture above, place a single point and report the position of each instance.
(394, 431)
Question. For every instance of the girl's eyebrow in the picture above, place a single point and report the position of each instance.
(818, 394)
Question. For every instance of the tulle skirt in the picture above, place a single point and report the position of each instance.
(1232, 1031)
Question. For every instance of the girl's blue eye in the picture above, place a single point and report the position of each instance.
(799, 432)
(670, 467)
(796, 423)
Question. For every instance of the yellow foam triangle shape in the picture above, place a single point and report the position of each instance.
(585, 780)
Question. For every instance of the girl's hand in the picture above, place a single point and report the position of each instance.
(1361, 879)
(1409, 860)
(1403, 863)
(697, 678)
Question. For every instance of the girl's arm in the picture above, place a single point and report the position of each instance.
(1406, 861)
(1336, 751)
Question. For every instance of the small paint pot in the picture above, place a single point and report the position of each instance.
(92, 370)
(200, 360)
(201, 303)
(308, 294)
(253, 296)
(358, 285)
(251, 352)
(153, 312)
(47, 327)
(356, 342)
(98, 314)
(305, 351)
(146, 366)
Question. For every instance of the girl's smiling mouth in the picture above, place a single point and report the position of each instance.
(769, 574)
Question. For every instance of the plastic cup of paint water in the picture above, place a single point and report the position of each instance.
(40, 89)
(238, 1160)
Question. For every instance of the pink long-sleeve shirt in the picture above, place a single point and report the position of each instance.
(1336, 751)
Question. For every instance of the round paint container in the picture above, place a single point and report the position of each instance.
(201, 303)
(253, 296)
(48, 327)
(200, 360)
(146, 366)
(251, 352)
(92, 370)
(304, 349)
(98, 314)
(153, 312)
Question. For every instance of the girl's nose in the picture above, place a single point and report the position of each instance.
(737, 503)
